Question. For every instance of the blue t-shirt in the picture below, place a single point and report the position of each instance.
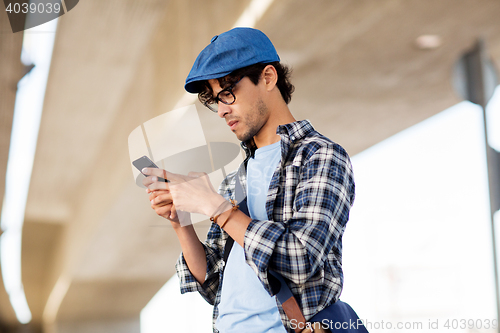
(245, 305)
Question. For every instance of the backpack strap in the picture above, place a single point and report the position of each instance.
(227, 248)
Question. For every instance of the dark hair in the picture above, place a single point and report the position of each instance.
(253, 72)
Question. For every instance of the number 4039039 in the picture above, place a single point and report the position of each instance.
(26, 8)
(471, 324)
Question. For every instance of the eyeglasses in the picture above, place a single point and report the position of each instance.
(225, 96)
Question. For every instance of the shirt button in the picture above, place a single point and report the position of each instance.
(214, 38)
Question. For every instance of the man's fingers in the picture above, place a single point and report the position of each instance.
(164, 211)
(160, 173)
(154, 172)
(154, 193)
(173, 213)
(158, 186)
(161, 199)
(154, 184)
(170, 176)
(147, 181)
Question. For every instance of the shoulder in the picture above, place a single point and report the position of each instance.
(304, 142)
(315, 141)
(317, 155)
(314, 146)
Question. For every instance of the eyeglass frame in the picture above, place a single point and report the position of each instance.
(217, 99)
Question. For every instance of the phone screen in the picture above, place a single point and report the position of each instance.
(145, 162)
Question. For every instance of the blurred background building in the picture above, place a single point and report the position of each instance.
(93, 252)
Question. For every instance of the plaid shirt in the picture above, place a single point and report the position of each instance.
(308, 203)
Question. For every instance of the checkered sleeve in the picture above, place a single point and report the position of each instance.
(320, 199)
(188, 283)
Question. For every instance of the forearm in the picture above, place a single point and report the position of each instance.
(235, 224)
(233, 221)
(193, 251)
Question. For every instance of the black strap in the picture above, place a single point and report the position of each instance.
(227, 248)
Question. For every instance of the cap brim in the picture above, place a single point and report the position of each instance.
(195, 85)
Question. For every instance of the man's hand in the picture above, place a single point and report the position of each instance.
(162, 203)
(193, 193)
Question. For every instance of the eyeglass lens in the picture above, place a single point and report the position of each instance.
(225, 96)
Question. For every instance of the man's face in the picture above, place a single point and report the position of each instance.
(248, 114)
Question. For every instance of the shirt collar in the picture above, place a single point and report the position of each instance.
(295, 131)
(289, 133)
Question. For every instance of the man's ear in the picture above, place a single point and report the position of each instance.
(270, 76)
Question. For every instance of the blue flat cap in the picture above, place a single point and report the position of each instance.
(227, 52)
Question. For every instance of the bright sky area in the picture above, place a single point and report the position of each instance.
(417, 248)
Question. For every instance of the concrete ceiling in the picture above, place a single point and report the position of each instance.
(93, 250)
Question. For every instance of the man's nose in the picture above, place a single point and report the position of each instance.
(223, 109)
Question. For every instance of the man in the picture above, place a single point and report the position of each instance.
(298, 186)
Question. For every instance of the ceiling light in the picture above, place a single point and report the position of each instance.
(38, 44)
(428, 42)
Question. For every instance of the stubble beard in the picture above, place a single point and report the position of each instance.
(255, 121)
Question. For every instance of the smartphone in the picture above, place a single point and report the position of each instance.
(145, 162)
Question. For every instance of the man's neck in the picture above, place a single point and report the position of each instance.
(279, 115)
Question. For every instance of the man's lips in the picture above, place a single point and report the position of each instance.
(232, 124)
